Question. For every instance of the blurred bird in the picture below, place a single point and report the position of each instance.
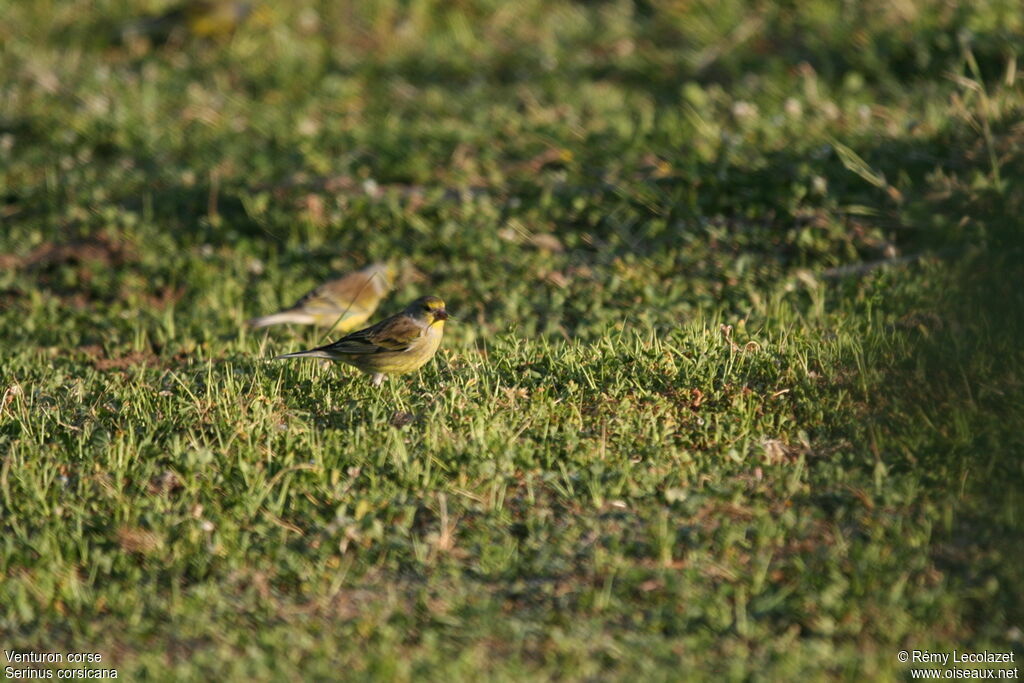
(204, 19)
(397, 345)
(348, 301)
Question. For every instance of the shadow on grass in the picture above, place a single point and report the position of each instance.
(950, 411)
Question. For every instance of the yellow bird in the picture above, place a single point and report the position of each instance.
(397, 345)
(348, 301)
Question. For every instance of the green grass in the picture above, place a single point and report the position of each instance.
(678, 430)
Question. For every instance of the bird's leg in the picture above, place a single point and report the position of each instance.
(378, 377)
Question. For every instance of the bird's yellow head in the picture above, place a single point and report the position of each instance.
(429, 309)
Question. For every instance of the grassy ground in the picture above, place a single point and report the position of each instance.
(681, 429)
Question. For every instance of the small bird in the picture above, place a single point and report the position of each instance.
(348, 301)
(397, 345)
(203, 19)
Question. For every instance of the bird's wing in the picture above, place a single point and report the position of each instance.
(393, 334)
(315, 301)
(354, 292)
(321, 299)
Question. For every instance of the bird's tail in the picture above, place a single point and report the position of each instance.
(312, 353)
(296, 317)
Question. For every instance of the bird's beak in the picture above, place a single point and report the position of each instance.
(440, 315)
